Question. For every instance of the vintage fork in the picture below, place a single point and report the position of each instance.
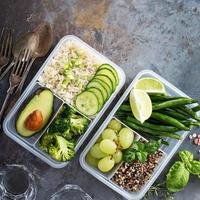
(5, 47)
(16, 76)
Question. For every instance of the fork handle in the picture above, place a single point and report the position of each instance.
(9, 92)
(7, 70)
(13, 100)
(17, 93)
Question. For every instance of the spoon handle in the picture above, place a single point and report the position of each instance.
(17, 93)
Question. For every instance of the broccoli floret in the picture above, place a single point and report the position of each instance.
(66, 112)
(45, 141)
(59, 125)
(68, 134)
(78, 124)
(62, 150)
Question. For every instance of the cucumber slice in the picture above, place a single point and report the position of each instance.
(100, 86)
(99, 95)
(87, 103)
(106, 79)
(107, 66)
(110, 74)
(106, 86)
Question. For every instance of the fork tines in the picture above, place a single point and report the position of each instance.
(6, 42)
(21, 62)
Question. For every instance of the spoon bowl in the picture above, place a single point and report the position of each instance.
(45, 36)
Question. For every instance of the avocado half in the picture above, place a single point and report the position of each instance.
(42, 101)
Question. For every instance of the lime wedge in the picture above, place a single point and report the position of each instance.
(150, 85)
(141, 105)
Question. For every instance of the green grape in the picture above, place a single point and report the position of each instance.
(108, 146)
(96, 152)
(126, 137)
(117, 156)
(91, 160)
(106, 164)
(109, 134)
(115, 125)
(99, 139)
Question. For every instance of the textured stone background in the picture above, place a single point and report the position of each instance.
(162, 35)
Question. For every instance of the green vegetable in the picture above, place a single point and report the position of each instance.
(61, 149)
(190, 123)
(78, 124)
(153, 137)
(186, 156)
(125, 107)
(174, 114)
(68, 123)
(140, 151)
(62, 134)
(152, 132)
(160, 191)
(153, 126)
(172, 103)
(177, 177)
(190, 112)
(170, 120)
(193, 167)
(196, 108)
(164, 97)
(45, 141)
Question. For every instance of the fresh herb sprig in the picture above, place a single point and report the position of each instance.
(160, 191)
(140, 150)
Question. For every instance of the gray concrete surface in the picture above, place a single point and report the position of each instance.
(162, 35)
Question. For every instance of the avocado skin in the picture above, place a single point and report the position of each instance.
(43, 100)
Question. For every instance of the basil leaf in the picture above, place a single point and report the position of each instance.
(177, 177)
(137, 145)
(129, 155)
(186, 156)
(142, 156)
(193, 167)
(152, 146)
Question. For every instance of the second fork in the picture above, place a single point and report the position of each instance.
(16, 76)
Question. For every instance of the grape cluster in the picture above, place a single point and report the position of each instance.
(108, 149)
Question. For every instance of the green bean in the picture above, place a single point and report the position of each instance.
(151, 132)
(172, 103)
(125, 107)
(164, 98)
(196, 108)
(174, 114)
(169, 120)
(153, 126)
(188, 123)
(180, 111)
(189, 111)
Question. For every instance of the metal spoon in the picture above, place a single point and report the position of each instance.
(45, 35)
(29, 40)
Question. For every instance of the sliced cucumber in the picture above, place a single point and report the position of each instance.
(99, 95)
(106, 79)
(108, 73)
(97, 84)
(87, 103)
(106, 86)
(107, 66)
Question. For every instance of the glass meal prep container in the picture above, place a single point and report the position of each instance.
(62, 97)
(167, 151)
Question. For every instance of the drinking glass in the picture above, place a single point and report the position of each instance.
(17, 183)
(71, 192)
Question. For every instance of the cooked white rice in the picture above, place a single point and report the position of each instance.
(52, 77)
